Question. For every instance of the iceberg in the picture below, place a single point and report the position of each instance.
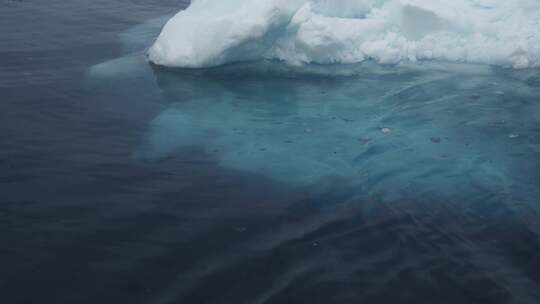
(465, 130)
(211, 33)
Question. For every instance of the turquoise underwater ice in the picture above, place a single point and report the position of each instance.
(431, 129)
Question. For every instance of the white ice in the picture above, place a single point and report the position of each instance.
(215, 32)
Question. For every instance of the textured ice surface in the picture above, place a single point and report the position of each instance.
(215, 32)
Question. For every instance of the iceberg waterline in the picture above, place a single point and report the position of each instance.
(214, 32)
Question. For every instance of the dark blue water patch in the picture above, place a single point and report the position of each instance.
(353, 253)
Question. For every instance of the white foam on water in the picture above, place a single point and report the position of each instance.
(214, 32)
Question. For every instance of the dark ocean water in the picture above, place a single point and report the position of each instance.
(122, 182)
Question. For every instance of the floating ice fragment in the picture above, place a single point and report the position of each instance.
(364, 140)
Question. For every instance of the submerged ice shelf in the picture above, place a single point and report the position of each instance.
(214, 32)
(433, 133)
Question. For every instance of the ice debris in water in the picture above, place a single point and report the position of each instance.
(215, 32)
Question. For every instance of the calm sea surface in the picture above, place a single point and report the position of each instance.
(122, 182)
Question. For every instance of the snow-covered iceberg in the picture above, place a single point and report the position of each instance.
(215, 32)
